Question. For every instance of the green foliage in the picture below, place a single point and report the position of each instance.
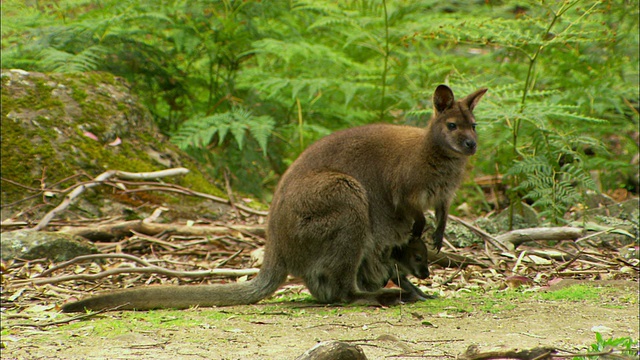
(247, 85)
(200, 131)
(553, 174)
(622, 346)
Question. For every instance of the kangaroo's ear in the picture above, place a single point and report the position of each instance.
(442, 98)
(473, 99)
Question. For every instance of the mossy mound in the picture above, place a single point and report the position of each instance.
(61, 129)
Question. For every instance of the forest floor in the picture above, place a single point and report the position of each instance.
(285, 326)
(506, 300)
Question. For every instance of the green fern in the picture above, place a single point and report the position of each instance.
(200, 131)
(88, 59)
(554, 177)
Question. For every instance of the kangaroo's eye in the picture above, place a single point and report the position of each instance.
(418, 258)
(452, 126)
(473, 126)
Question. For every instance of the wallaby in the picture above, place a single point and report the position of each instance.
(339, 210)
(407, 259)
(410, 259)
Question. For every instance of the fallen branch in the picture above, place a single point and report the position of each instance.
(144, 270)
(110, 232)
(82, 258)
(154, 240)
(514, 238)
(71, 197)
(186, 191)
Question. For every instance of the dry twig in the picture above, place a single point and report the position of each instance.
(71, 197)
(146, 269)
(186, 191)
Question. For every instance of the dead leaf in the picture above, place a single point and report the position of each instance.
(602, 329)
(539, 260)
(417, 316)
(388, 337)
(115, 142)
(17, 294)
(446, 315)
(516, 281)
(90, 135)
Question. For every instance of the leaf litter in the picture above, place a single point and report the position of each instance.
(32, 290)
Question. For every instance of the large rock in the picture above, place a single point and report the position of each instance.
(333, 350)
(31, 245)
(55, 126)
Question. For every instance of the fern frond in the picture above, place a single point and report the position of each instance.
(198, 132)
(531, 165)
(331, 22)
(89, 59)
(261, 128)
(566, 115)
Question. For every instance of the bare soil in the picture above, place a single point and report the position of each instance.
(284, 330)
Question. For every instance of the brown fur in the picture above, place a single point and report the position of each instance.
(339, 211)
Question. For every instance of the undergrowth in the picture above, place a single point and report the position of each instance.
(245, 86)
(617, 347)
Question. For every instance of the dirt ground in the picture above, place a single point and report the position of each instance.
(285, 330)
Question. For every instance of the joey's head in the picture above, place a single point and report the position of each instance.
(412, 258)
(453, 126)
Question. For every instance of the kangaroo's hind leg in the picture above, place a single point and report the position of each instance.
(332, 232)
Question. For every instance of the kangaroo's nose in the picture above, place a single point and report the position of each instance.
(469, 144)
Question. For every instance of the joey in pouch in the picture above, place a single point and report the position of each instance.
(410, 259)
(340, 210)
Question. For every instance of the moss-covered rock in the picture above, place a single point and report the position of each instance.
(57, 126)
(55, 246)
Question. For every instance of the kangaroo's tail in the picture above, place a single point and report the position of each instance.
(179, 297)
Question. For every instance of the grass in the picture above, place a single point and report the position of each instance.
(575, 293)
(132, 321)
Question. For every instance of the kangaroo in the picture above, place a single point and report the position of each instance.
(410, 259)
(339, 210)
